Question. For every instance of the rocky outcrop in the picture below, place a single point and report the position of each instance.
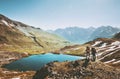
(76, 70)
(6, 74)
(8, 57)
(35, 40)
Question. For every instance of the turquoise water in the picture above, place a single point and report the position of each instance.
(35, 62)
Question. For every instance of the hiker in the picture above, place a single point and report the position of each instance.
(93, 52)
(86, 63)
(87, 52)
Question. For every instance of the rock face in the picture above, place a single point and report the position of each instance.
(8, 57)
(17, 36)
(75, 70)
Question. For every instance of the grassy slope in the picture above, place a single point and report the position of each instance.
(13, 39)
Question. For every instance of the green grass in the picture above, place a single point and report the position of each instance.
(18, 40)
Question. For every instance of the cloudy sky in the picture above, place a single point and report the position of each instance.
(52, 14)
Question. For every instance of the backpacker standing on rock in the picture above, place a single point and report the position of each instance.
(93, 52)
(87, 52)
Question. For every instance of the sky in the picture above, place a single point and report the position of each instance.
(53, 14)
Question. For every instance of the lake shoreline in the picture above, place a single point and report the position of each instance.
(15, 73)
(30, 63)
(8, 57)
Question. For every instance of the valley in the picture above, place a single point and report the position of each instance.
(18, 40)
(21, 42)
(59, 39)
(17, 36)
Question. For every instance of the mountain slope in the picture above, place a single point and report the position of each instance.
(108, 50)
(16, 36)
(117, 36)
(82, 35)
(75, 34)
(104, 32)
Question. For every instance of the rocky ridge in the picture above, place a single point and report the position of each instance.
(76, 70)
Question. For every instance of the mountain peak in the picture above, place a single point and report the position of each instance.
(5, 21)
(2, 15)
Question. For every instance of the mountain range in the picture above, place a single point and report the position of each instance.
(17, 36)
(82, 35)
(104, 32)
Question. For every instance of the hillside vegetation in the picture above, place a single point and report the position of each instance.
(16, 36)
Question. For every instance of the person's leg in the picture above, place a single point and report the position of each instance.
(94, 58)
(87, 56)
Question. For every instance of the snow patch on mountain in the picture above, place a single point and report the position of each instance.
(110, 61)
(99, 54)
(16, 78)
(116, 43)
(112, 47)
(116, 62)
(5, 22)
(96, 43)
(11, 24)
(106, 55)
(103, 45)
(23, 29)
